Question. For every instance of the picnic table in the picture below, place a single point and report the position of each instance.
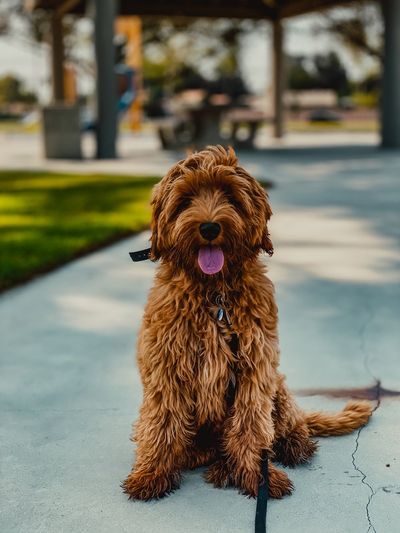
(201, 125)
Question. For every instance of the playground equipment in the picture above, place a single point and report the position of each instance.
(127, 93)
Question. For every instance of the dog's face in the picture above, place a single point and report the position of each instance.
(209, 214)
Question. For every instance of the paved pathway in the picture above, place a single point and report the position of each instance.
(69, 389)
(140, 152)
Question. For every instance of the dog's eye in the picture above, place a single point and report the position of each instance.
(184, 204)
(234, 201)
(179, 206)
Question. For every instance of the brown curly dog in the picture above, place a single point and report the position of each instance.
(211, 321)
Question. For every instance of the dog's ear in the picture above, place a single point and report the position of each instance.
(159, 218)
(266, 243)
(156, 231)
(259, 213)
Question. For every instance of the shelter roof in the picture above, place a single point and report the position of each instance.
(252, 9)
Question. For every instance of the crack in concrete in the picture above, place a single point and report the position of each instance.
(364, 482)
(364, 350)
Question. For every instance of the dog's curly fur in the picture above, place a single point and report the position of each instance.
(184, 352)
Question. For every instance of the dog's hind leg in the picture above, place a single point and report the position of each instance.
(296, 447)
(292, 445)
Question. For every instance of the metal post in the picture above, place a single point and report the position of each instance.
(278, 85)
(104, 17)
(390, 104)
(57, 58)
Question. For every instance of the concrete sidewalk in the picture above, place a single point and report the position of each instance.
(69, 389)
(141, 152)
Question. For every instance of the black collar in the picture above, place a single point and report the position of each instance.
(141, 255)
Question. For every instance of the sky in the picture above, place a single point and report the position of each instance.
(31, 62)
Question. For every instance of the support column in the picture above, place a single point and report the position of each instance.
(106, 130)
(390, 102)
(278, 82)
(57, 58)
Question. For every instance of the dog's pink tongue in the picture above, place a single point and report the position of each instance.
(211, 259)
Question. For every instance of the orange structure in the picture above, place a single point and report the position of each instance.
(131, 29)
(70, 89)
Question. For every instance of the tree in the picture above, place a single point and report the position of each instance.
(299, 78)
(360, 29)
(197, 39)
(318, 72)
(34, 27)
(208, 48)
(181, 54)
(12, 91)
(371, 83)
(331, 74)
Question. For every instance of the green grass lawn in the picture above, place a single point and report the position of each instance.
(48, 219)
(14, 126)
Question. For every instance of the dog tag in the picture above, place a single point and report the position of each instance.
(227, 318)
(222, 312)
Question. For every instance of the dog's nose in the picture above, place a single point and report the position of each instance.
(210, 230)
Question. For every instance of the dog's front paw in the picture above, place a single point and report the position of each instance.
(248, 482)
(221, 476)
(150, 485)
(218, 475)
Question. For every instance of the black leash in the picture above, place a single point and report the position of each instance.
(260, 524)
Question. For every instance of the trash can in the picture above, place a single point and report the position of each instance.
(62, 131)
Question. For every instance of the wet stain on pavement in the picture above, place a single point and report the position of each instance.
(374, 392)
